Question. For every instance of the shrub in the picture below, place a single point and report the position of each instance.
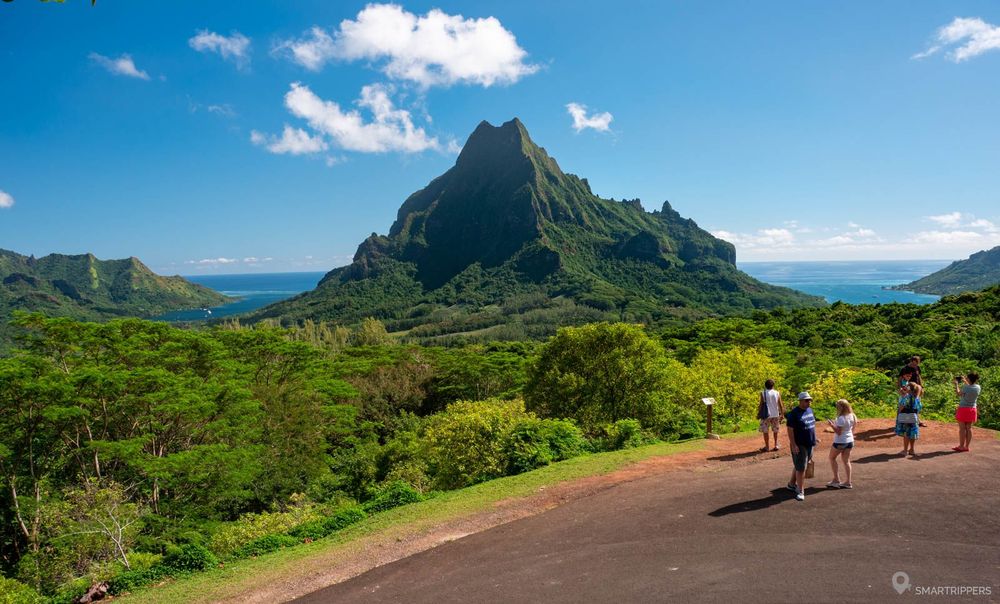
(190, 556)
(250, 527)
(870, 393)
(677, 423)
(131, 580)
(317, 529)
(598, 373)
(264, 545)
(15, 592)
(624, 434)
(538, 442)
(465, 442)
(392, 495)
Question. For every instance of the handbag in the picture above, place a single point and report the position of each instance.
(762, 408)
(907, 418)
(810, 469)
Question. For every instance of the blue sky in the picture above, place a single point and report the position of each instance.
(271, 136)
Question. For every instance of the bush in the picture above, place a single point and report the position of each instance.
(677, 423)
(465, 443)
(317, 529)
(265, 545)
(538, 442)
(250, 527)
(131, 580)
(190, 556)
(624, 434)
(392, 495)
(15, 592)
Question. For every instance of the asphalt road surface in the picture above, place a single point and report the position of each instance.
(732, 534)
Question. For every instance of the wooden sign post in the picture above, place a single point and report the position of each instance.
(709, 403)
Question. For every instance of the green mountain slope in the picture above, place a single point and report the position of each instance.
(506, 236)
(978, 271)
(83, 287)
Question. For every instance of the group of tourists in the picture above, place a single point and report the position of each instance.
(801, 425)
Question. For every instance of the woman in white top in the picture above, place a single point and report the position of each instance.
(843, 442)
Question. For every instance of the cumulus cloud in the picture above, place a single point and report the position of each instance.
(389, 129)
(436, 49)
(213, 261)
(597, 121)
(966, 37)
(123, 65)
(959, 220)
(293, 141)
(6, 199)
(950, 219)
(234, 47)
(760, 238)
(957, 235)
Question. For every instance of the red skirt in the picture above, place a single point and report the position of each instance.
(967, 415)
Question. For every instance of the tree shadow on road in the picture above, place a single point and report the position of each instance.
(779, 495)
(882, 457)
(875, 434)
(736, 456)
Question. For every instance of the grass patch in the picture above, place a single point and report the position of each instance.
(238, 577)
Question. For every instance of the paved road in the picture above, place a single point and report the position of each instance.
(729, 535)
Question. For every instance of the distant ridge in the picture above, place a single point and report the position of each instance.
(505, 236)
(83, 287)
(978, 271)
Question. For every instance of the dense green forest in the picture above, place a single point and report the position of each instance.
(132, 451)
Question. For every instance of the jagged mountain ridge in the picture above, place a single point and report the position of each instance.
(978, 271)
(506, 222)
(84, 287)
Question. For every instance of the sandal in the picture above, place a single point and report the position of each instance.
(846, 485)
(833, 484)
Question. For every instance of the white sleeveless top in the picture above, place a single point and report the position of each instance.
(771, 399)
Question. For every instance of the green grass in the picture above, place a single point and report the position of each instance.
(237, 577)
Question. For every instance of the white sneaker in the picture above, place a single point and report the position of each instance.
(800, 496)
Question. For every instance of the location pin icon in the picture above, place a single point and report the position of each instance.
(901, 582)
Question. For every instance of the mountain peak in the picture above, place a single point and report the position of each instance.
(489, 143)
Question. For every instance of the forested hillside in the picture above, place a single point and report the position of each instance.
(83, 287)
(507, 245)
(132, 451)
(976, 272)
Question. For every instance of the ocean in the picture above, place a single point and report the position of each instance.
(253, 290)
(854, 282)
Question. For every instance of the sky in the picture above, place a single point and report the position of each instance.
(270, 136)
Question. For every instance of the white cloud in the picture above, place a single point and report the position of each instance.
(311, 51)
(957, 237)
(225, 110)
(436, 49)
(390, 129)
(123, 65)
(967, 38)
(294, 141)
(213, 261)
(950, 220)
(761, 238)
(6, 199)
(956, 220)
(597, 121)
(235, 47)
